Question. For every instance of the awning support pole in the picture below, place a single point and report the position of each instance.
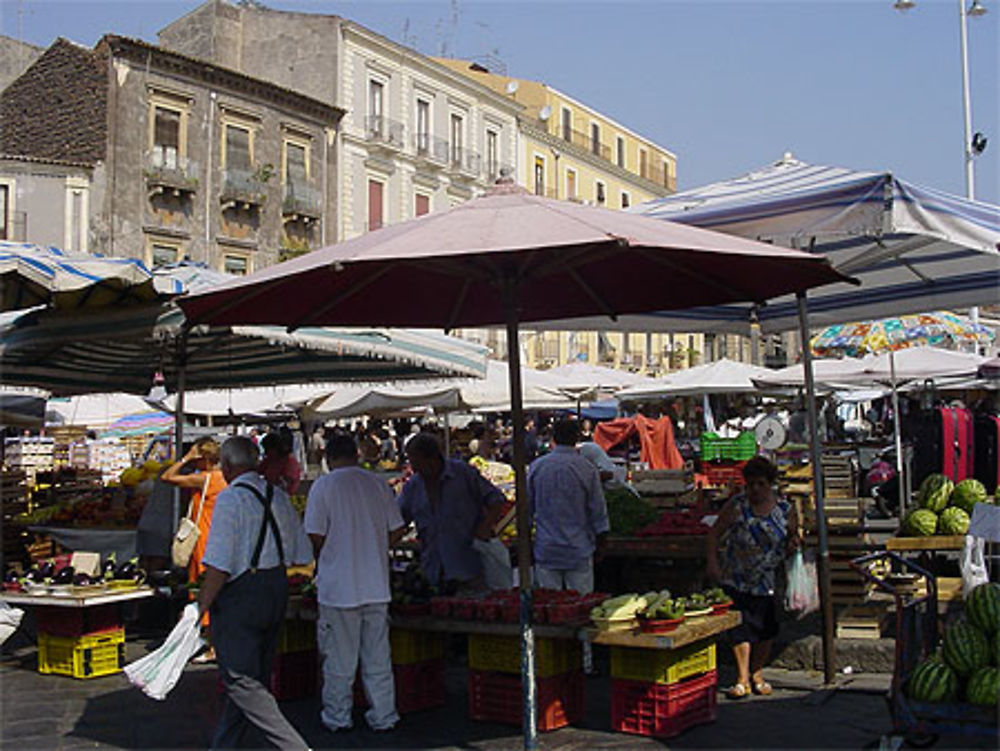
(529, 723)
(179, 422)
(823, 561)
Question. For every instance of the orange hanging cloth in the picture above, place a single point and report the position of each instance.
(656, 439)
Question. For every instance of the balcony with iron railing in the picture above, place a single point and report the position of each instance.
(302, 200)
(430, 147)
(165, 171)
(657, 175)
(465, 161)
(584, 141)
(244, 186)
(386, 131)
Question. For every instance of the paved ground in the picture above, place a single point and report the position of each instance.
(54, 712)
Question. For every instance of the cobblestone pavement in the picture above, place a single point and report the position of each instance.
(54, 712)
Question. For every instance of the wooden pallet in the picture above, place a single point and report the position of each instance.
(862, 621)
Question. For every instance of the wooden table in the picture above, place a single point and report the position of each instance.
(450, 625)
(84, 600)
(688, 632)
(932, 542)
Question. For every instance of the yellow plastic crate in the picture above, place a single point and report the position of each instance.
(662, 665)
(296, 636)
(502, 654)
(89, 656)
(410, 647)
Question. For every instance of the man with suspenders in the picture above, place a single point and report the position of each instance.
(255, 534)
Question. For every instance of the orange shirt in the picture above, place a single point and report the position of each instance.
(216, 484)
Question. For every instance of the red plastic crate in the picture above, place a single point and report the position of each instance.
(722, 474)
(662, 710)
(295, 675)
(73, 622)
(419, 685)
(496, 697)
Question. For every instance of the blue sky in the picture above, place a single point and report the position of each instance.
(727, 86)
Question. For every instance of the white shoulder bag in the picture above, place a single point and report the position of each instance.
(187, 531)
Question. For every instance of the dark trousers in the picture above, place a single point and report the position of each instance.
(246, 618)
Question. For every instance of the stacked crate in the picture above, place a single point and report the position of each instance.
(30, 454)
(80, 642)
(295, 672)
(418, 669)
(495, 693)
(661, 693)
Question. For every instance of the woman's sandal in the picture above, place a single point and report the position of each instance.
(762, 689)
(738, 691)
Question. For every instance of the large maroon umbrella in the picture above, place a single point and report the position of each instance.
(508, 258)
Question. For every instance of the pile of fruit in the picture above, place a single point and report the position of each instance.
(411, 591)
(944, 508)
(675, 523)
(57, 572)
(503, 606)
(104, 510)
(660, 605)
(966, 666)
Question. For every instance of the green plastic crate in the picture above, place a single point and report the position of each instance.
(741, 448)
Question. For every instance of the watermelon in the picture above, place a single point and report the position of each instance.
(933, 681)
(983, 687)
(920, 523)
(934, 492)
(967, 494)
(965, 648)
(953, 521)
(982, 607)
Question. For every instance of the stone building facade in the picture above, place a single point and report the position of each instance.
(417, 136)
(181, 158)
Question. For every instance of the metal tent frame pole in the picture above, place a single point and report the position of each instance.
(823, 562)
(529, 724)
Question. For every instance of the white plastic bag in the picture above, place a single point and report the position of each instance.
(496, 562)
(10, 619)
(973, 564)
(802, 594)
(158, 672)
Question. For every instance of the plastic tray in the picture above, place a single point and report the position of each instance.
(88, 656)
(297, 636)
(488, 652)
(409, 647)
(661, 710)
(497, 697)
(663, 665)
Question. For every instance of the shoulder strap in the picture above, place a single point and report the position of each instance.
(201, 499)
(268, 520)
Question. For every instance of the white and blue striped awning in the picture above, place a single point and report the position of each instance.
(119, 349)
(913, 249)
(33, 275)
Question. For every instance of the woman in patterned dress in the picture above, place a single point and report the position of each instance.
(746, 547)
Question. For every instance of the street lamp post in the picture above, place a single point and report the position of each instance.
(974, 10)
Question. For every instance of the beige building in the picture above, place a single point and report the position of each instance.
(570, 151)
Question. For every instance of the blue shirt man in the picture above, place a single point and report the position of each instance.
(452, 504)
(570, 514)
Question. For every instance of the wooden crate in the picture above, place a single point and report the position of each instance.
(862, 621)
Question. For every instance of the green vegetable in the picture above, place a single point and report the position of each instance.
(627, 513)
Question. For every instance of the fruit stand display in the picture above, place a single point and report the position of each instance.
(663, 658)
(943, 684)
(80, 631)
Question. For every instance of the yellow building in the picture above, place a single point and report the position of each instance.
(570, 151)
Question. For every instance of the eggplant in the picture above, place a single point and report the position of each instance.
(108, 569)
(35, 576)
(64, 575)
(82, 580)
(127, 570)
(11, 577)
(47, 569)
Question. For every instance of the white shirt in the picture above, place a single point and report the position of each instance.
(355, 511)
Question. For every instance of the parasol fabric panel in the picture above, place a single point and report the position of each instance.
(33, 275)
(913, 249)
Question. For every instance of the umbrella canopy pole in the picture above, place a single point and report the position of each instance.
(898, 435)
(823, 563)
(523, 519)
(179, 422)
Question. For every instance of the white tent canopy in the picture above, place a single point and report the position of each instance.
(490, 394)
(94, 410)
(719, 377)
(912, 248)
(913, 364)
(582, 380)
